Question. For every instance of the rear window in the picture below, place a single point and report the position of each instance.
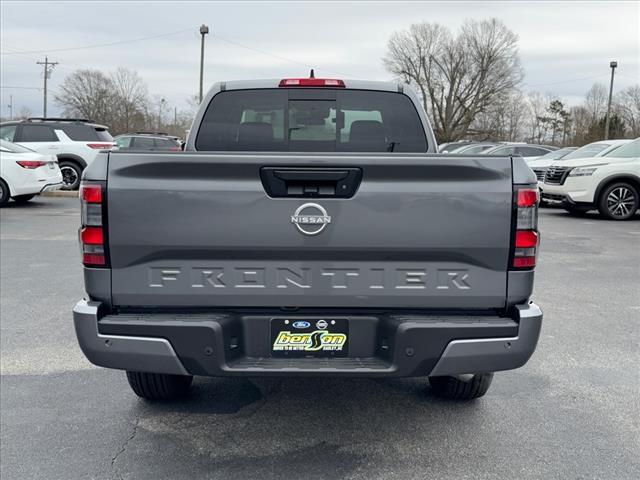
(86, 133)
(143, 143)
(13, 147)
(531, 151)
(311, 120)
(166, 143)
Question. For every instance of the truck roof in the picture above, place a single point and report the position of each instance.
(274, 83)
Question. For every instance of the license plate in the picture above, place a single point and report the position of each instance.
(317, 337)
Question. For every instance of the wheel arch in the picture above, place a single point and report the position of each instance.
(629, 178)
(70, 157)
(12, 190)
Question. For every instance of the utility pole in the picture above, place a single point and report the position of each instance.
(48, 68)
(613, 66)
(175, 115)
(204, 30)
(10, 107)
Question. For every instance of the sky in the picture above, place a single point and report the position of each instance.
(564, 46)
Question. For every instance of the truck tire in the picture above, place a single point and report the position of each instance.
(619, 201)
(461, 387)
(22, 198)
(71, 173)
(5, 195)
(159, 386)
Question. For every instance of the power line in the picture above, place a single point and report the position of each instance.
(20, 88)
(564, 81)
(98, 45)
(628, 76)
(279, 57)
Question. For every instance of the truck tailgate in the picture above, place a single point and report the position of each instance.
(200, 230)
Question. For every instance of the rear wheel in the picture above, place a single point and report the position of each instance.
(159, 386)
(22, 198)
(461, 387)
(4, 193)
(619, 201)
(71, 173)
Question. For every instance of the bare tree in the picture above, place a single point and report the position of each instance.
(505, 120)
(595, 101)
(89, 94)
(628, 105)
(458, 77)
(582, 121)
(537, 109)
(132, 100)
(23, 114)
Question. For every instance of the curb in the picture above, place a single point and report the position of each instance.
(60, 193)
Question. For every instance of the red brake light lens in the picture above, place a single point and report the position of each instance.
(527, 197)
(31, 164)
(91, 193)
(524, 262)
(100, 146)
(312, 82)
(526, 239)
(92, 236)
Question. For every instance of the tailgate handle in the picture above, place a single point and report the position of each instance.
(310, 182)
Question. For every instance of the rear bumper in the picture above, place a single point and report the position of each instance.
(236, 344)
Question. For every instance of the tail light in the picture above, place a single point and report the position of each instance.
(526, 239)
(30, 164)
(100, 146)
(311, 82)
(92, 231)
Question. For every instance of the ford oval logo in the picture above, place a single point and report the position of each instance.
(301, 324)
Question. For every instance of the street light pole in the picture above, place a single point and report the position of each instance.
(204, 30)
(613, 66)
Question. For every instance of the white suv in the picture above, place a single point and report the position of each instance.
(610, 183)
(76, 142)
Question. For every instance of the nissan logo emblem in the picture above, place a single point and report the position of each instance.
(310, 218)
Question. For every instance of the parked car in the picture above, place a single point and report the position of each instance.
(525, 150)
(609, 183)
(540, 164)
(270, 253)
(448, 147)
(76, 142)
(25, 173)
(474, 148)
(147, 141)
(595, 149)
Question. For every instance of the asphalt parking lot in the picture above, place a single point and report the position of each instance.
(572, 412)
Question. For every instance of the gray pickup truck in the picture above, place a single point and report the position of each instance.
(309, 228)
